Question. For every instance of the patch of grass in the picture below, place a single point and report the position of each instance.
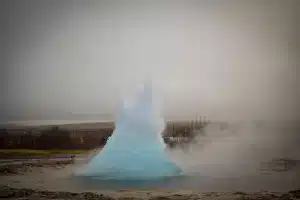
(32, 152)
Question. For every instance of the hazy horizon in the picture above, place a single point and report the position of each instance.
(225, 60)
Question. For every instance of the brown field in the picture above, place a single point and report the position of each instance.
(80, 135)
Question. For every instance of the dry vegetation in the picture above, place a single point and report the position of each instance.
(78, 136)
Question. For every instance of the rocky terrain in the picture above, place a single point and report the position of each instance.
(14, 169)
(18, 194)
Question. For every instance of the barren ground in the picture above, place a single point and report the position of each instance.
(49, 180)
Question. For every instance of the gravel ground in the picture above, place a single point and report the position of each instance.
(13, 193)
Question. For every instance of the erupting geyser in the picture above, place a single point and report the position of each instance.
(135, 150)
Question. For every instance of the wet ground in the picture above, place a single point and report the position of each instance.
(53, 179)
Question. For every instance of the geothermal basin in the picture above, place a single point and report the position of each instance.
(135, 158)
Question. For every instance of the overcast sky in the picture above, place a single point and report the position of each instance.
(218, 58)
